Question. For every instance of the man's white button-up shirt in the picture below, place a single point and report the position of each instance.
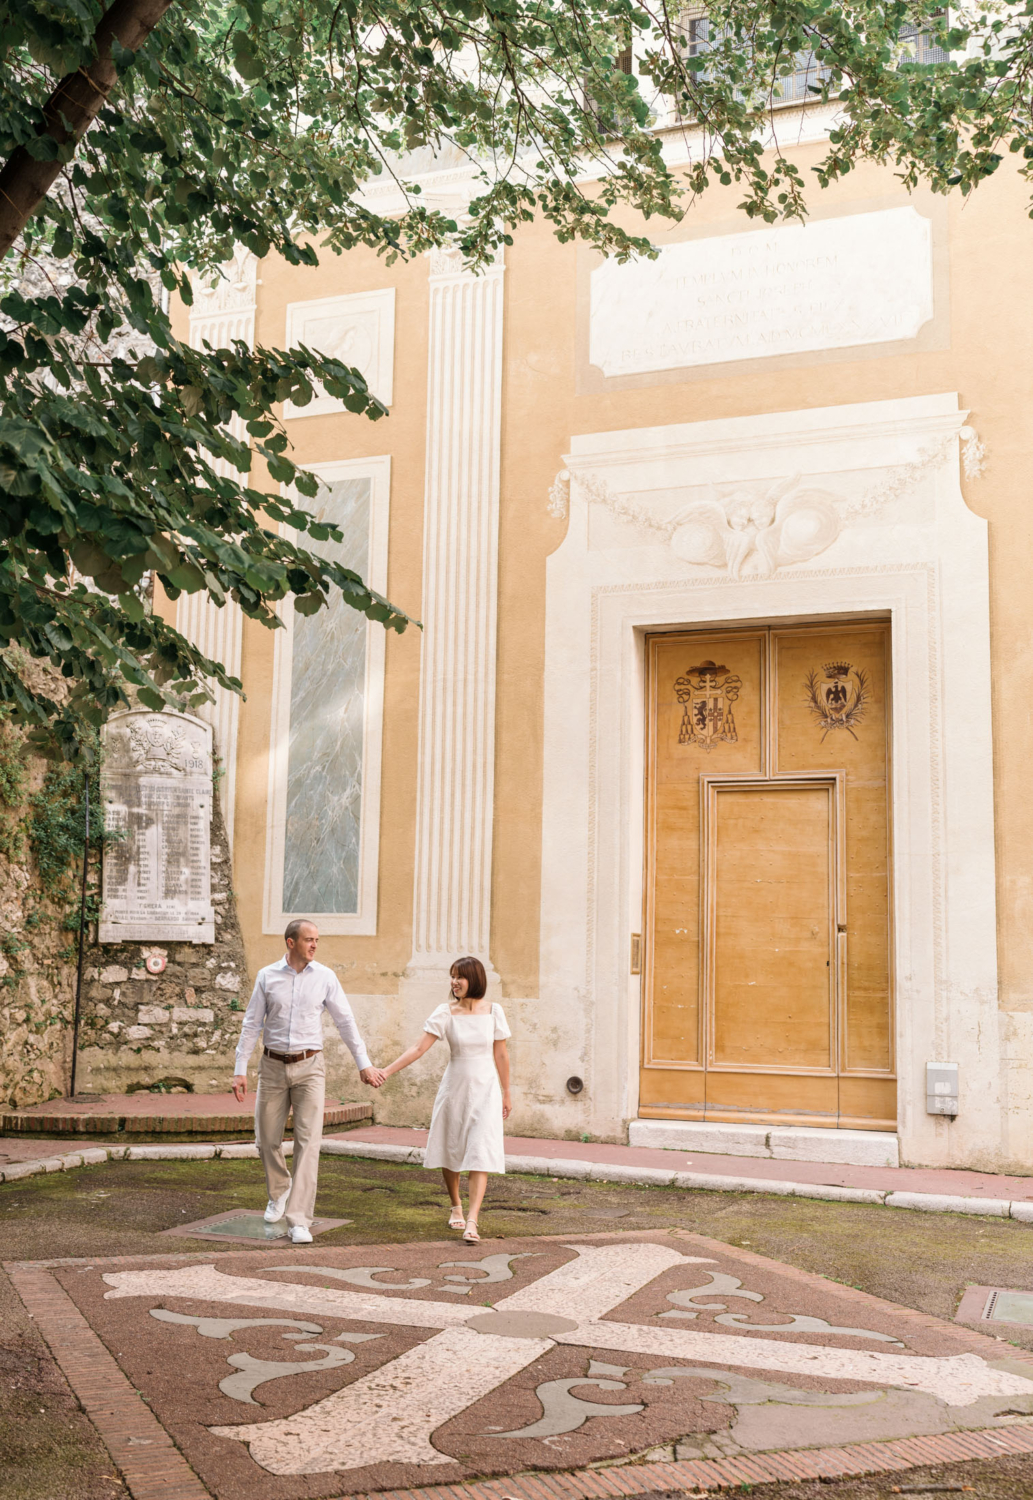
(287, 1007)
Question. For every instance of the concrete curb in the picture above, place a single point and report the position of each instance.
(546, 1166)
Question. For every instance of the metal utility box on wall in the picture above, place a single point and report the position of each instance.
(941, 1088)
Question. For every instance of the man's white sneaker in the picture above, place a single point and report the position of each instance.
(274, 1209)
(300, 1235)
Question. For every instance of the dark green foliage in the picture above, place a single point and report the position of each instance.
(258, 123)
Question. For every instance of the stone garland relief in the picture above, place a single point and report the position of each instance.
(840, 700)
(707, 693)
(754, 529)
(466, 1354)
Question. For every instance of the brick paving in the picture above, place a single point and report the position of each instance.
(151, 1464)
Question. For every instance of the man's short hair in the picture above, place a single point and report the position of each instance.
(294, 927)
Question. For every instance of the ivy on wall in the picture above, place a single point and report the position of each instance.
(42, 839)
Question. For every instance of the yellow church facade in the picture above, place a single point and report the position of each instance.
(714, 743)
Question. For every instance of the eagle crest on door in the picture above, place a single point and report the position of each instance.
(707, 693)
(840, 701)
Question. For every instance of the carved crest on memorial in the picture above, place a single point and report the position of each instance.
(839, 700)
(707, 693)
(156, 788)
(160, 746)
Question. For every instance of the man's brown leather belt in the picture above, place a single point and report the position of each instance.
(292, 1057)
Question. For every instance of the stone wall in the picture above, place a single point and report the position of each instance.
(137, 1029)
(37, 902)
(37, 984)
(177, 1028)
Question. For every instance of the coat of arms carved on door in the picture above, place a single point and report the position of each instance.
(707, 693)
(840, 701)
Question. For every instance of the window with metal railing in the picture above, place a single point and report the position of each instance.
(701, 34)
(920, 46)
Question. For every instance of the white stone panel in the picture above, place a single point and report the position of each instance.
(156, 788)
(829, 284)
(359, 330)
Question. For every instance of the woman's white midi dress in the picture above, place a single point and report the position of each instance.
(466, 1125)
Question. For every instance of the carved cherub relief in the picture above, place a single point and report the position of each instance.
(755, 532)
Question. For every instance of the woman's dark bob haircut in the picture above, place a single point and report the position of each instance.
(472, 970)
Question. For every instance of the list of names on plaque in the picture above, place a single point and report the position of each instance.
(156, 787)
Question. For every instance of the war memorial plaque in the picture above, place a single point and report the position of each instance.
(156, 788)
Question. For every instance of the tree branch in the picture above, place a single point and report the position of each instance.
(70, 111)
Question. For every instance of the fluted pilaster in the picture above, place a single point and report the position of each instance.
(452, 906)
(222, 312)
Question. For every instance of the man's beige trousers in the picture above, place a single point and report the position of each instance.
(282, 1087)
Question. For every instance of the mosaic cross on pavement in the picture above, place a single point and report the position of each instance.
(348, 1370)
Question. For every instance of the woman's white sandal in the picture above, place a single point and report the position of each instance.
(470, 1234)
(455, 1217)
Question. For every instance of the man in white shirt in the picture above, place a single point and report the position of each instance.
(287, 1007)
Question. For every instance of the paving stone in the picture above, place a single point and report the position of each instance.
(17, 1170)
(651, 1175)
(170, 1153)
(944, 1203)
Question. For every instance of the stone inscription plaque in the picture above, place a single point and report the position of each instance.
(831, 284)
(156, 787)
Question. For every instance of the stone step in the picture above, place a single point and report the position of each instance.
(856, 1148)
(63, 1119)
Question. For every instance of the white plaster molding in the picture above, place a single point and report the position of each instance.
(223, 311)
(921, 560)
(359, 330)
(363, 921)
(456, 777)
(228, 295)
(973, 454)
(559, 496)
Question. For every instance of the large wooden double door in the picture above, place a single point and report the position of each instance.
(767, 978)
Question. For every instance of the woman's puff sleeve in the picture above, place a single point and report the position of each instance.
(436, 1021)
(501, 1025)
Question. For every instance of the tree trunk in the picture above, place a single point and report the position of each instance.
(70, 111)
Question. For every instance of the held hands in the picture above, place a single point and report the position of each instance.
(507, 1105)
(373, 1076)
(239, 1087)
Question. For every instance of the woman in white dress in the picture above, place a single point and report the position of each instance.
(473, 1095)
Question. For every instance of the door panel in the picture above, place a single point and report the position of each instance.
(772, 891)
(766, 975)
(850, 668)
(690, 739)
